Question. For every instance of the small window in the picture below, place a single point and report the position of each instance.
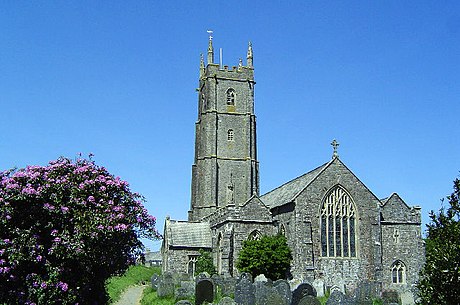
(230, 135)
(231, 97)
(398, 272)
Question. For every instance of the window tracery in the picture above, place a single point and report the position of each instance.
(255, 235)
(192, 259)
(338, 224)
(398, 272)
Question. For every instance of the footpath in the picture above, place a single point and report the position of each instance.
(132, 296)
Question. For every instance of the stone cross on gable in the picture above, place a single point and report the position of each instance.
(335, 145)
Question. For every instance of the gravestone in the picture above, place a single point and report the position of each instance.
(284, 290)
(189, 286)
(227, 301)
(309, 300)
(204, 291)
(390, 297)
(166, 285)
(227, 286)
(202, 275)
(260, 278)
(262, 291)
(365, 293)
(154, 281)
(338, 298)
(244, 290)
(302, 291)
(182, 294)
(318, 284)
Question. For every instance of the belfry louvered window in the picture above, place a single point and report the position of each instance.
(231, 97)
(338, 224)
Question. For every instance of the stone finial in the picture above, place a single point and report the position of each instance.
(335, 146)
(249, 57)
(210, 49)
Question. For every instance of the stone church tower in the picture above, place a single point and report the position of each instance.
(342, 236)
(225, 170)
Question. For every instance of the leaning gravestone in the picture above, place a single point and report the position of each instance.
(166, 286)
(204, 291)
(244, 290)
(284, 290)
(309, 300)
(302, 291)
(338, 298)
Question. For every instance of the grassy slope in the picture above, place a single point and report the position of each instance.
(133, 276)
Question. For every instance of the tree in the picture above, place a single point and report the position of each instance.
(204, 263)
(440, 277)
(270, 255)
(64, 229)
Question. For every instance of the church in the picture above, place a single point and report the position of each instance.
(339, 232)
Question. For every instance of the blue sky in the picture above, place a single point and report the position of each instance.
(118, 78)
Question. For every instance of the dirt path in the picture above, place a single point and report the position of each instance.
(132, 296)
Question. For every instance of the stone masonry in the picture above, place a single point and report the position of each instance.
(341, 235)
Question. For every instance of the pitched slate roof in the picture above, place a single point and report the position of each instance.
(189, 234)
(288, 191)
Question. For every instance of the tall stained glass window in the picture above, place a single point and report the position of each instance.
(338, 224)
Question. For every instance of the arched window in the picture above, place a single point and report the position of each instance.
(282, 230)
(398, 272)
(231, 97)
(338, 224)
(255, 235)
(192, 264)
(230, 135)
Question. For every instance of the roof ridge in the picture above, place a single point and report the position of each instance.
(292, 180)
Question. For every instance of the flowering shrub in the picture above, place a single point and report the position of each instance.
(65, 229)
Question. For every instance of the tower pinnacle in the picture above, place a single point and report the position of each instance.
(249, 56)
(210, 49)
(201, 64)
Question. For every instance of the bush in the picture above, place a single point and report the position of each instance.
(440, 277)
(204, 263)
(270, 255)
(65, 229)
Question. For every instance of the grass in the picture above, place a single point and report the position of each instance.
(324, 298)
(150, 296)
(133, 276)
